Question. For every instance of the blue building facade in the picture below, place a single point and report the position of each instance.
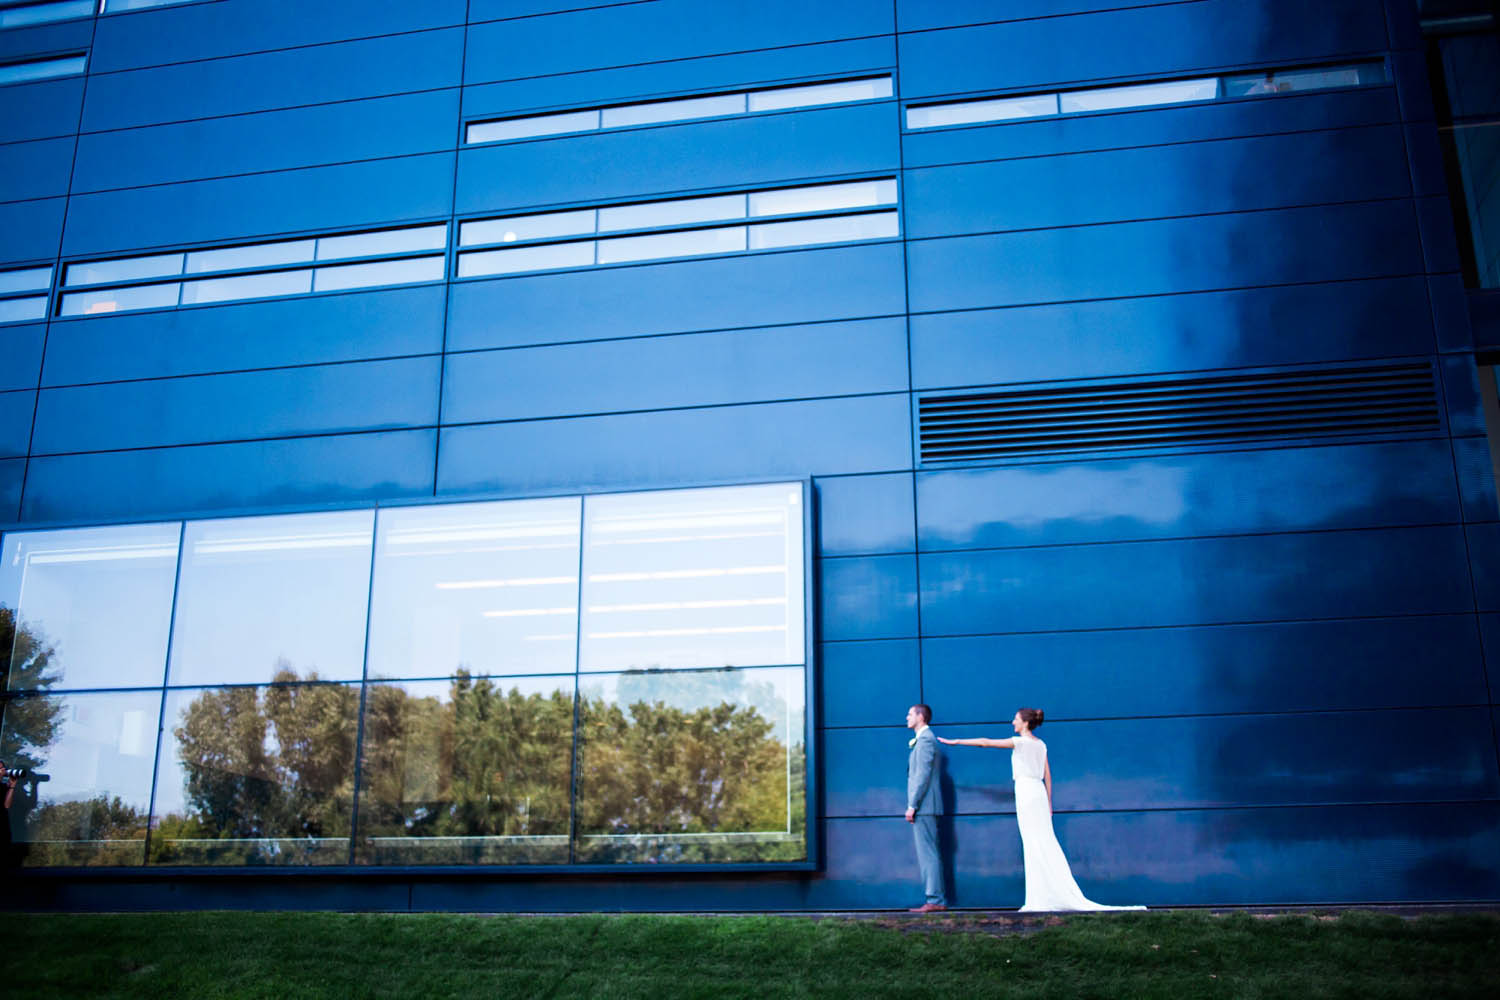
(1120, 359)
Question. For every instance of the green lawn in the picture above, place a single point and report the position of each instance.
(956, 957)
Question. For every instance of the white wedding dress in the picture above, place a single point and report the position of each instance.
(1049, 880)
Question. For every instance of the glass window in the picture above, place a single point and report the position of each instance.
(388, 241)
(692, 767)
(42, 70)
(526, 227)
(261, 255)
(256, 776)
(386, 272)
(129, 269)
(693, 578)
(683, 211)
(120, 299)
(812, 95)
(89, 758)
(538, 258)
(1140, 95)
(1289, 81)
(681, 244)
(968, 112)
(89, 607)
(823, 198)
(245, 286)
(41, 13)
(467, 771)
(874, 226)
(27, 280)
(670, 111)
(21, 310)
(521, 128)
(487, 588)
(110, 6)
(272, 599)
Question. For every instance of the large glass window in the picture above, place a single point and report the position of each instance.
(597, 680)
(1464, 55)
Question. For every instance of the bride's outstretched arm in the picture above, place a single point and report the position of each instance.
(979, 741)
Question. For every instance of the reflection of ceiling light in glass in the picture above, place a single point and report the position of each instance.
(341, 540)
(684, 574)
(659, 539)
(529, 612)
(528, 581)
(554, 637)
(684, 605)
(725, 630)
(686, 521)
(478, 532)
(108, 553)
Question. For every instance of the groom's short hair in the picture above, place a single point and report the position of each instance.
(925, 711)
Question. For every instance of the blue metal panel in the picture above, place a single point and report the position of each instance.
(855, 57)
(868, 683)
(678, 447)
(869, 597)
(375, 193)
(1489, 629)
(1242, 760)
(1476, 478)
(1199, 581)
(40, 110)
(321, 399)
(865, 769)
(1461, 393)
(499, 10)
(1173, 255)
(1263, 667)
(952, 13)
(800, 286)
(32, 229)
(16, 409)
(738, 366)
(1439, 243)
(1202, 330)
(1450, 312)
(12, 474)
(300, 472)
(1229, 175)
(646, 162)
(1409, 71)
(317, 328)
(208, 31)
(37, 169)
(1152, 42)
(45, 39)
(860, 515)
(670, 29)
(278, 140)
(871, 863)
(21, 347)
(269, 893)
(1175, 496)
(1425, 157)
(289, 78)
(1153, 127)
(1484, 564)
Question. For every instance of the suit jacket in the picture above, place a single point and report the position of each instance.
(922, 787)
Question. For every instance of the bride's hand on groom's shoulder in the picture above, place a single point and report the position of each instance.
(942, 740)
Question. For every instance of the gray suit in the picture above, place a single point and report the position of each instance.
(925, 798)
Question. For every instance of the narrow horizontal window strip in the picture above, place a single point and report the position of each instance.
(1145, 95)
(802, 95)
(42, 69)
(1308, 403)
(44, 13)
(31, 279)
(23, 310)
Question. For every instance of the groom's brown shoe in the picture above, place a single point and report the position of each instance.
(927, 908)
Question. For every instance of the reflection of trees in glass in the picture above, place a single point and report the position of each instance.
(680, 753)
(268, 775)
(101, 830)
(468, 780)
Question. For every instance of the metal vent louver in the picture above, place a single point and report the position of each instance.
(1392, 398)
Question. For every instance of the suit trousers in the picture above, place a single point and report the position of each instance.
(929, 861)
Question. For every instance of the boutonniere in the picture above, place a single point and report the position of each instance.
(912, 742)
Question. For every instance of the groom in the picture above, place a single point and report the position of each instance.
(924, 803)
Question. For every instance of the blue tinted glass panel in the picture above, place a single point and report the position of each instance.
(41, 13)
(245, 286)
(693, 578)
(42, 70)
(93, 605)
(467, 771)
(120, 299)
(272, 598)
(820, 94)
(390, 241)
(487, 588)
(1293, 80)
(823, 198)
(236, 258)
(690, 243)
(388, 272)
(970, 112)
(877, 226)
(128, 269)
(531, 258)
(256, 776)
(681, 212)
(521, 128)
(97, 750)
(1140, 96)
(21, 310)
(668, 111)
(526, 227)
(30, 279)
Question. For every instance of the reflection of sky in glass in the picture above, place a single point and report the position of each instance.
(486, 587)
(258, 593)
(21, 310)
(872, 226)
(260, 255)
(102, 747)
(120, 299)
(520, 128)
(246, 286)
(127, 269)
(1140, 95)
(25, 280)
(694, 241)
(820, 93)
(387, 272)
(968, 112)
(693, 578)
(668, 111)
(101, 597)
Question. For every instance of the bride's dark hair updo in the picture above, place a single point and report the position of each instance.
(1032, 717)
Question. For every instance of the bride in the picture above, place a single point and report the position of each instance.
(1049, 881)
